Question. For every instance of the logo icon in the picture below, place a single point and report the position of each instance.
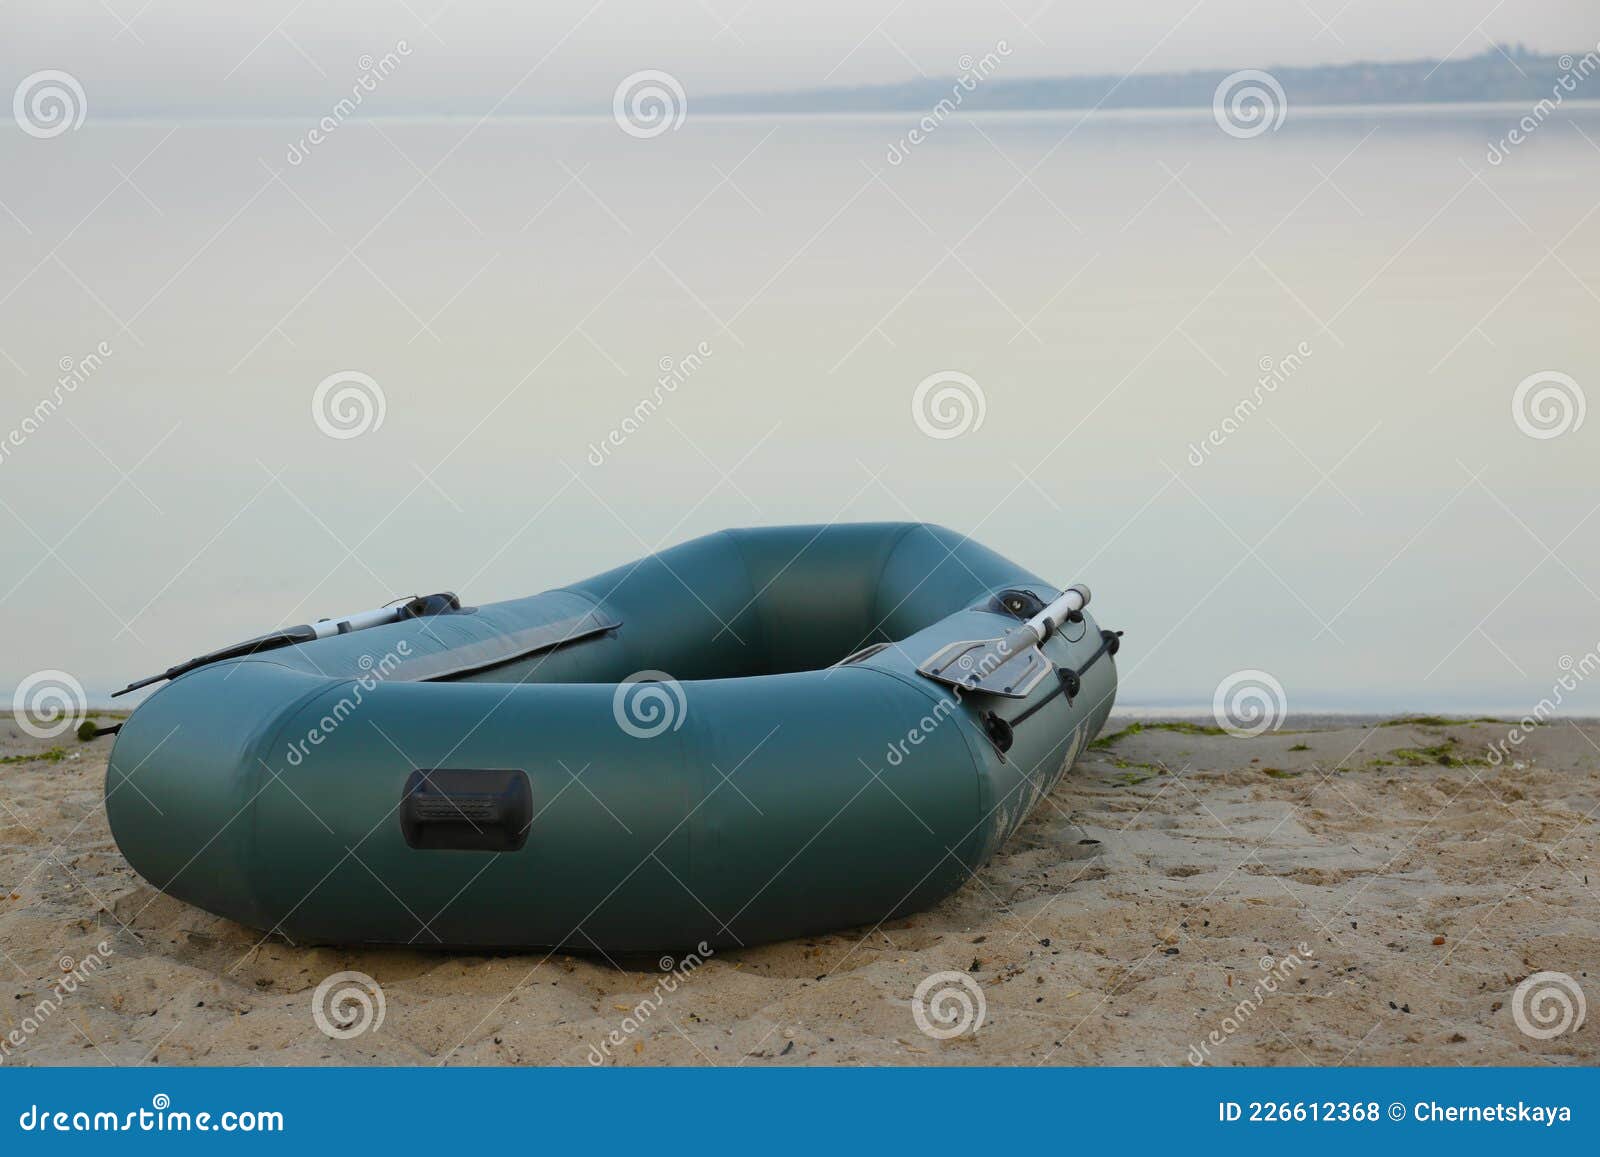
(49, 703)
(948, 404)
(649, 103)
(648, 703)
(1248, 103)
(1548, 1004)
(348, 1004)
(948, 1004)
(49, 103)
(1248, 703)
(1548, 404)
(348, 404)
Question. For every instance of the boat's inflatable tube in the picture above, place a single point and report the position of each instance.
(726, 742)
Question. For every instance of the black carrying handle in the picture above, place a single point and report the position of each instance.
(466, 810)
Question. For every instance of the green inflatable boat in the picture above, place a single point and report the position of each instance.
(754, 735)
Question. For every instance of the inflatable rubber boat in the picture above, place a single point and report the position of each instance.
(754, 735)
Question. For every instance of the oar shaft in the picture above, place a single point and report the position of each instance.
(359, 621)
(1045, 623)
(416, 607)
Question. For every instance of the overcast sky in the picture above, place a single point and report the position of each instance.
(467, 56)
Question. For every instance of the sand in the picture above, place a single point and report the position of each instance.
(1352, 894)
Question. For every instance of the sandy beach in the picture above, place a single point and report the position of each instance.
(1361, 893)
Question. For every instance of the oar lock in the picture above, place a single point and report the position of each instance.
(1024, 604)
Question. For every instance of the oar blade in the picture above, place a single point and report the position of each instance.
(1006, 666)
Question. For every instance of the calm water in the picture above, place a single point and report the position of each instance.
(1377, 533)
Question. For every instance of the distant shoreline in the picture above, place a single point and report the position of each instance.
(1152, 114)
(1509, 77)
(1497, 75)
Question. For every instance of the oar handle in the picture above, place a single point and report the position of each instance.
(415, 607)
(359, 621)
(1046, 622)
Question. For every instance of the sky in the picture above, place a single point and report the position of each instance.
(272, 57)
(511, 284)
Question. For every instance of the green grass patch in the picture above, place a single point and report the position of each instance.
(1438, 721)
(1443, 754)
(1279, 773)
(54, 755)
(1301, 747)
(1178, 726)
(1152, 768)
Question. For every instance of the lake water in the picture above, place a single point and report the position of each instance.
(1378, 532)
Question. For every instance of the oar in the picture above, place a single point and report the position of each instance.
(412, 608)
(1011, 665)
